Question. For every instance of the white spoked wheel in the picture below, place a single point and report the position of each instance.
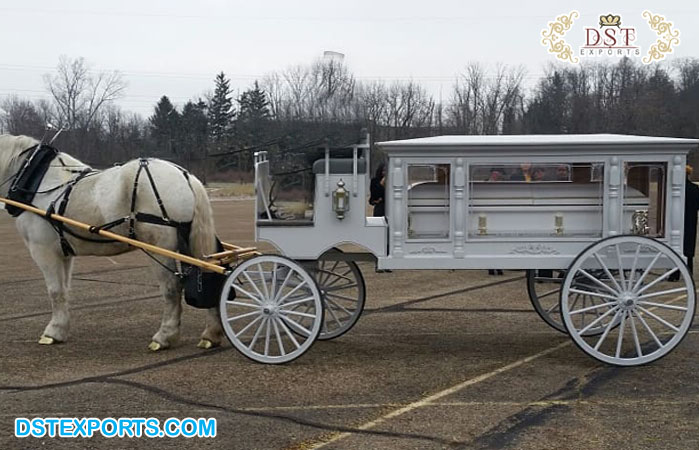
(644, 315)
(277, 312)
(344, 292)
(544, 289)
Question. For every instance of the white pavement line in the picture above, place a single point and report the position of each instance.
(429, 401)
(441, 394)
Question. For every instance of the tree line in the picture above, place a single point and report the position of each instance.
(296, 110)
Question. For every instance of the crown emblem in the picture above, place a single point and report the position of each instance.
(610, 20)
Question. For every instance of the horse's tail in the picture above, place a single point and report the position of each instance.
(202, 238)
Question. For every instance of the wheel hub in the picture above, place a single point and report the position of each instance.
(627, 301)
(269, 309)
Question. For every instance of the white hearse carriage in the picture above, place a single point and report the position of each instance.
(596, 220)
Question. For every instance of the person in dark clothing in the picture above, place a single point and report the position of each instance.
(377, 190)
(691, 208)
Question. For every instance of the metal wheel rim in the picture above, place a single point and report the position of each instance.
(549, 309)
(342, 286)
(650, 318)
(260, 320)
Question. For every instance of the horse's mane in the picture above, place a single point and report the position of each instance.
(11, 147)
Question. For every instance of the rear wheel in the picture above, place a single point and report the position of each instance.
(631, 278)
(342, 286)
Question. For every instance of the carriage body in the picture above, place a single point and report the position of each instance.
(596, 220)
(465, 202)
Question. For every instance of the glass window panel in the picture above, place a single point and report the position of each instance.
(533, 199)
(429, 188)
(644, 198)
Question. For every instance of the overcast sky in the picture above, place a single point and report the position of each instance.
(176, 47)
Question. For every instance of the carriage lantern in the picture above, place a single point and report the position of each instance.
(341, 200)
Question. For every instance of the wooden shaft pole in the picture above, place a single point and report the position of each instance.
(117, 237)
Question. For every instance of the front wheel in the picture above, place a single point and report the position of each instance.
(644, 315)
(276, 312)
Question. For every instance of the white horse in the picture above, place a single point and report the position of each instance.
(102, 198)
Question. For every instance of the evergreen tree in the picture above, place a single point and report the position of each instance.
(194, 130)
(253, 122)
(164, 125)
(221, 113)
(254, 106)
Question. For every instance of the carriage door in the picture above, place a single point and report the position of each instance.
(428, 223)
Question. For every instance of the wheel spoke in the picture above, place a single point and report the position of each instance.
(639, 353)
(661, 293)
(645, 272)
(328, 272)
(296, 313)
(553, 308)
(598, 282)
(594, 322)
(606, 271)
(609, 327)
(288, 294)
(242, 316)
(267, 334)
(272, 294)
(344, 297)
(622, 280)
(548, 293)
(593, 294)
(281, 288)
(249, 295)
(653, 335)
(282, 350)
(245, 274)
(247, 305)
(332, 302)
(340, 288)
(656, 281)
(257, 334)
(289, 333)
(633, 267)
(663, 305)
(591, 308)
(339, 277)
(659, 319)
(621, 335)
(248, 326)
(296, 325)
(332, 313)
(296, 302)
(264, 282)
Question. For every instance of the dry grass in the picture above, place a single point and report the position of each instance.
(224, 190)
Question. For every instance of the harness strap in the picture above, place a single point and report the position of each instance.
(156, 193)
(60, 228)
(132, 216)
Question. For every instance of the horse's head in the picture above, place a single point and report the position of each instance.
(11, 147)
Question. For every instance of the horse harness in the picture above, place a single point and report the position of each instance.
(27, 180)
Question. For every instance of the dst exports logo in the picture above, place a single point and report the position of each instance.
(610, 38)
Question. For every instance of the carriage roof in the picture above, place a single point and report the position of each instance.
(571, 142)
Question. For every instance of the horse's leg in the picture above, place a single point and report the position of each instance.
(171, 289)
(57, 270)
(213, 333)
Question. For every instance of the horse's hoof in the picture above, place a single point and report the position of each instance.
(206, 344)
(45, 340)
(154, 346)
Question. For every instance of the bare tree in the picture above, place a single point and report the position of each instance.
(21, 116)
(479, 101)
(80, 93)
